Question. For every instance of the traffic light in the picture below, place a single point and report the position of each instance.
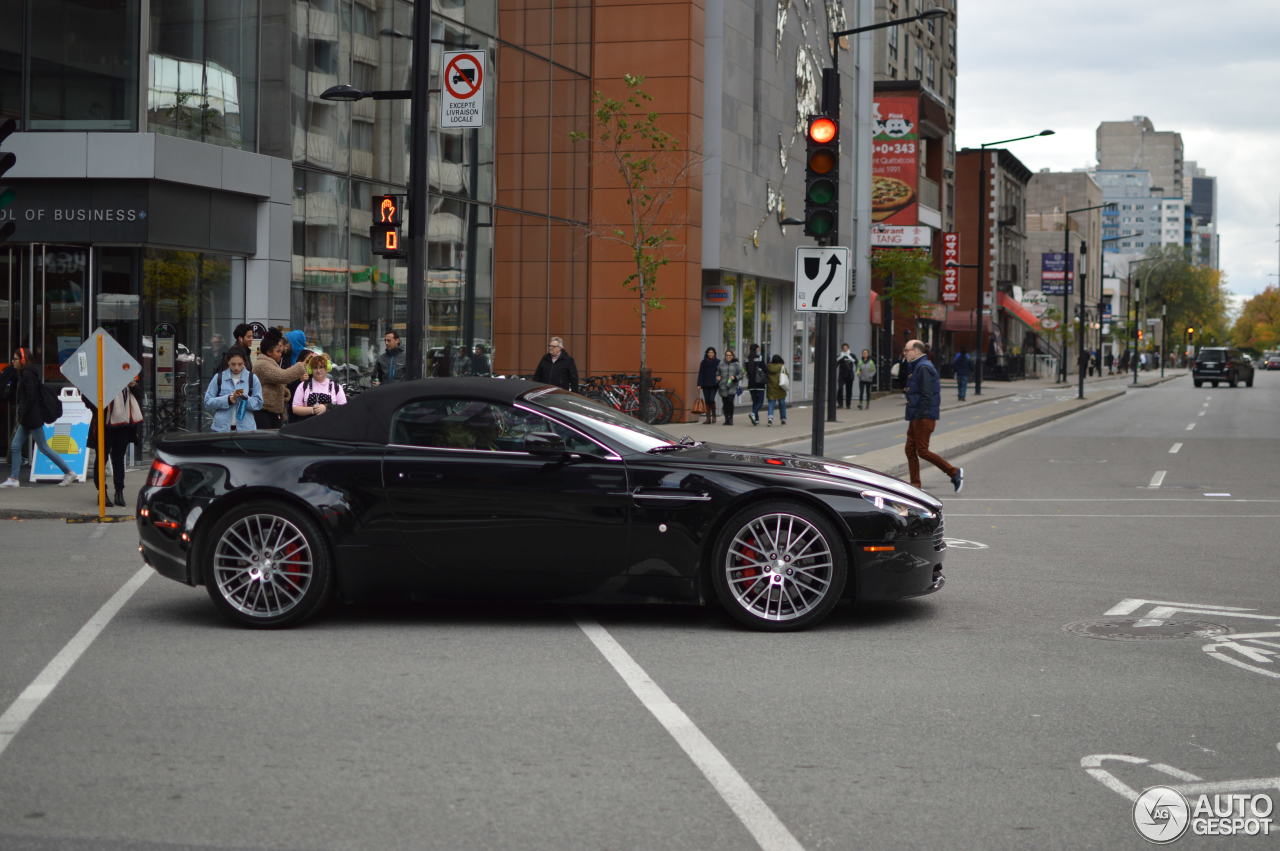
(1139, 335)
(7, 195)
(385, 232)
(821, 177)
(1191, 332)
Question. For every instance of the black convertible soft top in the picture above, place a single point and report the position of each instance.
(367, 417)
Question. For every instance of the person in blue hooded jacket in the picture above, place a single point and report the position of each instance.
(924, 390)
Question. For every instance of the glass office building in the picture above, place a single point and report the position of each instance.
(178, 173)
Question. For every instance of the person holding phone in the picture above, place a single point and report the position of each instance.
(234, 394)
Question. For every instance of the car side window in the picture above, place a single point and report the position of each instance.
(452, 423)
(519, 423)
(446, 423)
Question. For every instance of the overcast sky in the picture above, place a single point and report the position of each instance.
(1210, 71)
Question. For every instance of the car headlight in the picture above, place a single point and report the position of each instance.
(896, 504)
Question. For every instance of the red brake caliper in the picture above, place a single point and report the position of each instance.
(747, 572)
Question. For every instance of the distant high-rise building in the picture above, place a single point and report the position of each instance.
(1137, 146)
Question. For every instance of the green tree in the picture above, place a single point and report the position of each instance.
(904, 272)
(1191, 296)
(1258, 327)
(651, 164)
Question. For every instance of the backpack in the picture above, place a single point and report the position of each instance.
(50, 405)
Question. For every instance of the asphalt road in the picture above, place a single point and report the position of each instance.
(850, 444)
(963, 720)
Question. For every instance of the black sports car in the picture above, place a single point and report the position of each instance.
(478, 486)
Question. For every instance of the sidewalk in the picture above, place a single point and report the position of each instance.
(79, 502)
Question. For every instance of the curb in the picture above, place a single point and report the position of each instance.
(968, 445)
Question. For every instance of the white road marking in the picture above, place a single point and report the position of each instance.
(963, 544)
(1157, 479)
(47, 680)
(1098, 499)
(1201, 414)
(1253, 646)
(1190, 426)
(1192, 785)
(1217, 494)
(1162, 610)
(1135, 516)
(750, 808)
(1173, 450)
(1205, 405)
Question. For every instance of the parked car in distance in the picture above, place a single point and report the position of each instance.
(1271, 360)
(1219, 363)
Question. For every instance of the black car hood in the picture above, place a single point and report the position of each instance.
(837, 472)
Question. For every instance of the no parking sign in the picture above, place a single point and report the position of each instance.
(462, 89)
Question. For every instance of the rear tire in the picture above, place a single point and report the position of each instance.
(1197, 382)
(1249, 383)
(779, 566)
(267, 565)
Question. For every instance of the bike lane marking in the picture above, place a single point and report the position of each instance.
(18, 713)
(755, 815)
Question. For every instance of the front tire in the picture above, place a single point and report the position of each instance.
(779, 566)
(267, 565)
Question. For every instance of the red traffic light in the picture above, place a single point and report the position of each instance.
(823, 129)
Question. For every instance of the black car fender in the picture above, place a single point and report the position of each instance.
(763, 494)
(219, 508)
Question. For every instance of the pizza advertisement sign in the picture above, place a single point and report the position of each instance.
(895, 161)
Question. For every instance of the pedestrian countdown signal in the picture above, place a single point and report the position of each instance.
(384, 235)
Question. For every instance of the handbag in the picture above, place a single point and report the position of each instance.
(699, 406)
(784, 380)
(893, 370)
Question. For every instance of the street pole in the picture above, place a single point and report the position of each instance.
(984, 255)
(419, 203)
(1067, 287)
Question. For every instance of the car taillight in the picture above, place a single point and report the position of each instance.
(162, 475)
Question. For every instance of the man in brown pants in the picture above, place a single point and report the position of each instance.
(923, 393)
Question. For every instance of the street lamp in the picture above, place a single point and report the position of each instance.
(1135, 296)
(1066, 249)
(418, 203)
(982, 251)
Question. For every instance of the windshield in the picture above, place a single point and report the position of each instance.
(625, 430)
(1213, 354)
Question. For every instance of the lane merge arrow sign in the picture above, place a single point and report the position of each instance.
(822, 280)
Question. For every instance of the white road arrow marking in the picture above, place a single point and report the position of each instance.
(1192, 784)
(1162, 610)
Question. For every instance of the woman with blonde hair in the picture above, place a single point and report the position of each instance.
(318, 392)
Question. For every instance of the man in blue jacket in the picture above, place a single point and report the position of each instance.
(923, 392)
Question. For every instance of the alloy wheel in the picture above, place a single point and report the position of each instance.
(263, 565)
(779, 567)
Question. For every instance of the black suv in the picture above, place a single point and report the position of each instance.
(1222, 364)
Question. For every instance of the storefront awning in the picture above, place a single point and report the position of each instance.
(958, 319)
(1018, 309)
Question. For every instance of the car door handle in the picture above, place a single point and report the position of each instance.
(661, 496)
(403, 476)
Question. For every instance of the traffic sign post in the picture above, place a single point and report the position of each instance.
(823, 276)
(100, 369)
(462, 89)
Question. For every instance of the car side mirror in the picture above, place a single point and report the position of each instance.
(545, 443)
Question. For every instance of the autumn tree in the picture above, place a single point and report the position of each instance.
(1258, 327)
